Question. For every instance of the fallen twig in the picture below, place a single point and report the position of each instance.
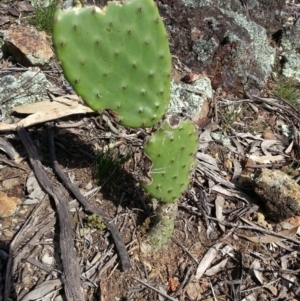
(71, 275)
(155, 289)
(124, 257)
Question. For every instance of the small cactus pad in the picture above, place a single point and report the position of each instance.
(117, 58)
(172, 152)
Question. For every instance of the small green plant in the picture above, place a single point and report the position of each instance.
(94, 221)
(108, 166)
(288, 90)
(43, 17)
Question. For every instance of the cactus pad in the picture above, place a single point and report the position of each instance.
(117, 58)
(172, 152)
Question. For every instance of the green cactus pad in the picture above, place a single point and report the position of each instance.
(117, 58)
(172, 152)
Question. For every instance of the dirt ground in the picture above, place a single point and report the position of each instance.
(250, 262)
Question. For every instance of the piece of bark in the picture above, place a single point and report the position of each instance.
(71, 273)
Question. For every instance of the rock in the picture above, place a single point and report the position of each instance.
(8, 205)
(47, 259)
(9, 183)
(28, 46)
(280, 194)
(190, 99)
(290, 42)
(29, 87)
(223, 40)
(34, 189)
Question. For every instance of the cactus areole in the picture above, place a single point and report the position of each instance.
(117, 58)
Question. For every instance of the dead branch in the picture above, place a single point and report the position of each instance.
(124, 257)
(71, 275)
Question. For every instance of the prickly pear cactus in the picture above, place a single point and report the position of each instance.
(172, 152)
(117, 58)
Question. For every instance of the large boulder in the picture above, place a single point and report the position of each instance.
(225, 39)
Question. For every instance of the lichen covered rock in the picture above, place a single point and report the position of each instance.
(279, 193)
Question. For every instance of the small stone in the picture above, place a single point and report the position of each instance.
(47, 259)
(8, 233)
(8, 205)
(268, 135)
(9, 183)
(28, 46)
(193, 290)
(89, 186)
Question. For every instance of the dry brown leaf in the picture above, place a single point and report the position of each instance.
(254, 270)
(48, 115)
(268, 135)
(266, 144)
(207, 260)
(219, 203)
(40, 106)
(173, 285)
(271, 238)
(266, 159)
(216, 268)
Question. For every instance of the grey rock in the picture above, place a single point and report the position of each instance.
(188, 99)
(29, 87)
(227, 40)
(290, 42)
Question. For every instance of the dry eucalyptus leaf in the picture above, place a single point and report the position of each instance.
(266, 144)
(207, 260)
(47, 115)
(266, 159)
(42, 289)
(219, 203)
(216, 268)
(271, 238)
(254, 271)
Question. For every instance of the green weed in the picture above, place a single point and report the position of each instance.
(43, 17)
(288, 90)
(109, 166)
